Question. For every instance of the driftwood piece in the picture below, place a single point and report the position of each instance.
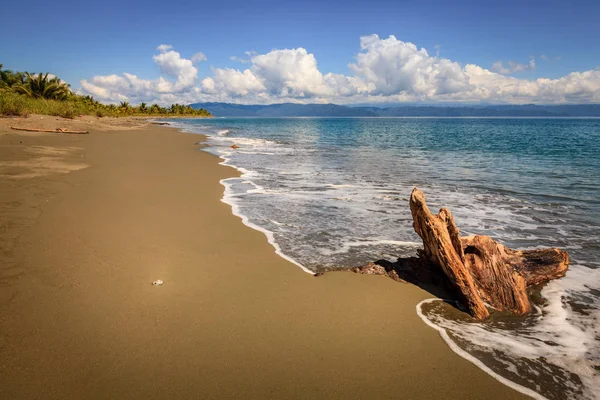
(497, 281)
(57, 130)
(538, 266)
(442, 247)
(480, 269)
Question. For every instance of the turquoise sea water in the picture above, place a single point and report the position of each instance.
(334, 192)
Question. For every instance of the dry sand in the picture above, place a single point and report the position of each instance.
(87, 222)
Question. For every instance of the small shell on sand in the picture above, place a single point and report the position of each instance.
(157, 282)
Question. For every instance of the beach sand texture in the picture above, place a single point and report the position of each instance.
(87, 222)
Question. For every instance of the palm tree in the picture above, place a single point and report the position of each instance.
(9, 79)
(124, 107)
(142, 108)
(154, 109)
(40, 86)
(89, 100)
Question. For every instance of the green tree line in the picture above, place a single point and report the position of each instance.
(23, 93)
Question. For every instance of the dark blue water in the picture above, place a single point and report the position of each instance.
(334, 192)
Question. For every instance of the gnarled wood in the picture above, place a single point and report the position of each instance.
(481, 269)
(538, 266)
(498, 282)
(443, 248)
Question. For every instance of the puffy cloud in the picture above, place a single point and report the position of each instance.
(172, 64)
(488, 85)
(513, 66)
(346, 86)
(119, 88)
(577, 87)
(384, 70)
(394, 67)
(128, 87)
(233, 83)
(289, 73)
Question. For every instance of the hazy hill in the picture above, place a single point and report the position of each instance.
(333, 110)
(284, 110)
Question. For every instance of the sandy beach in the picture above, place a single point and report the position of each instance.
(87, 222)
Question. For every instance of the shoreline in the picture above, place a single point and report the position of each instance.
(246, 221)
(439, 293)
(80, 318)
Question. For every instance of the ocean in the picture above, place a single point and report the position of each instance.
(333, 192)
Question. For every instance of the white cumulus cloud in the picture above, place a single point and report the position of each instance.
(233, 83)
(393, 67)
(383, 70)
(181, 74)
(172, 64)
(289, 73)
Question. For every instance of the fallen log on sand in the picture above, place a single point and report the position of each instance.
(57, 130)
(479, 270)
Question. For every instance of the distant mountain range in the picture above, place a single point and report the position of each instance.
(333, 110)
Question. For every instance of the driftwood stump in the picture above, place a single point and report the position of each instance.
(480, 269)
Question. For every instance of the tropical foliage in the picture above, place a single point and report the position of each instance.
(10, 79)
(23, 93)
(40, 86)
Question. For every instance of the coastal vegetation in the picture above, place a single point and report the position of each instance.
(23, 93)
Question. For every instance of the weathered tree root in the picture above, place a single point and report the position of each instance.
(477, 269)
(480, 269)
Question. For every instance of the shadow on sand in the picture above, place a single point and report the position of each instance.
(413, 270)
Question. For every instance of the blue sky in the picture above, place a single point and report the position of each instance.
(79, 40)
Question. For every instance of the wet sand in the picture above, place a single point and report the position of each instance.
(87, 222)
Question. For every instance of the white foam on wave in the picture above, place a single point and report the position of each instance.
(560, 339)
(347, 245)
(229, 197)
(235, 209)
(454, 347)
(189, 128)
(252, 143)
(344, 186)
(232, 197)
